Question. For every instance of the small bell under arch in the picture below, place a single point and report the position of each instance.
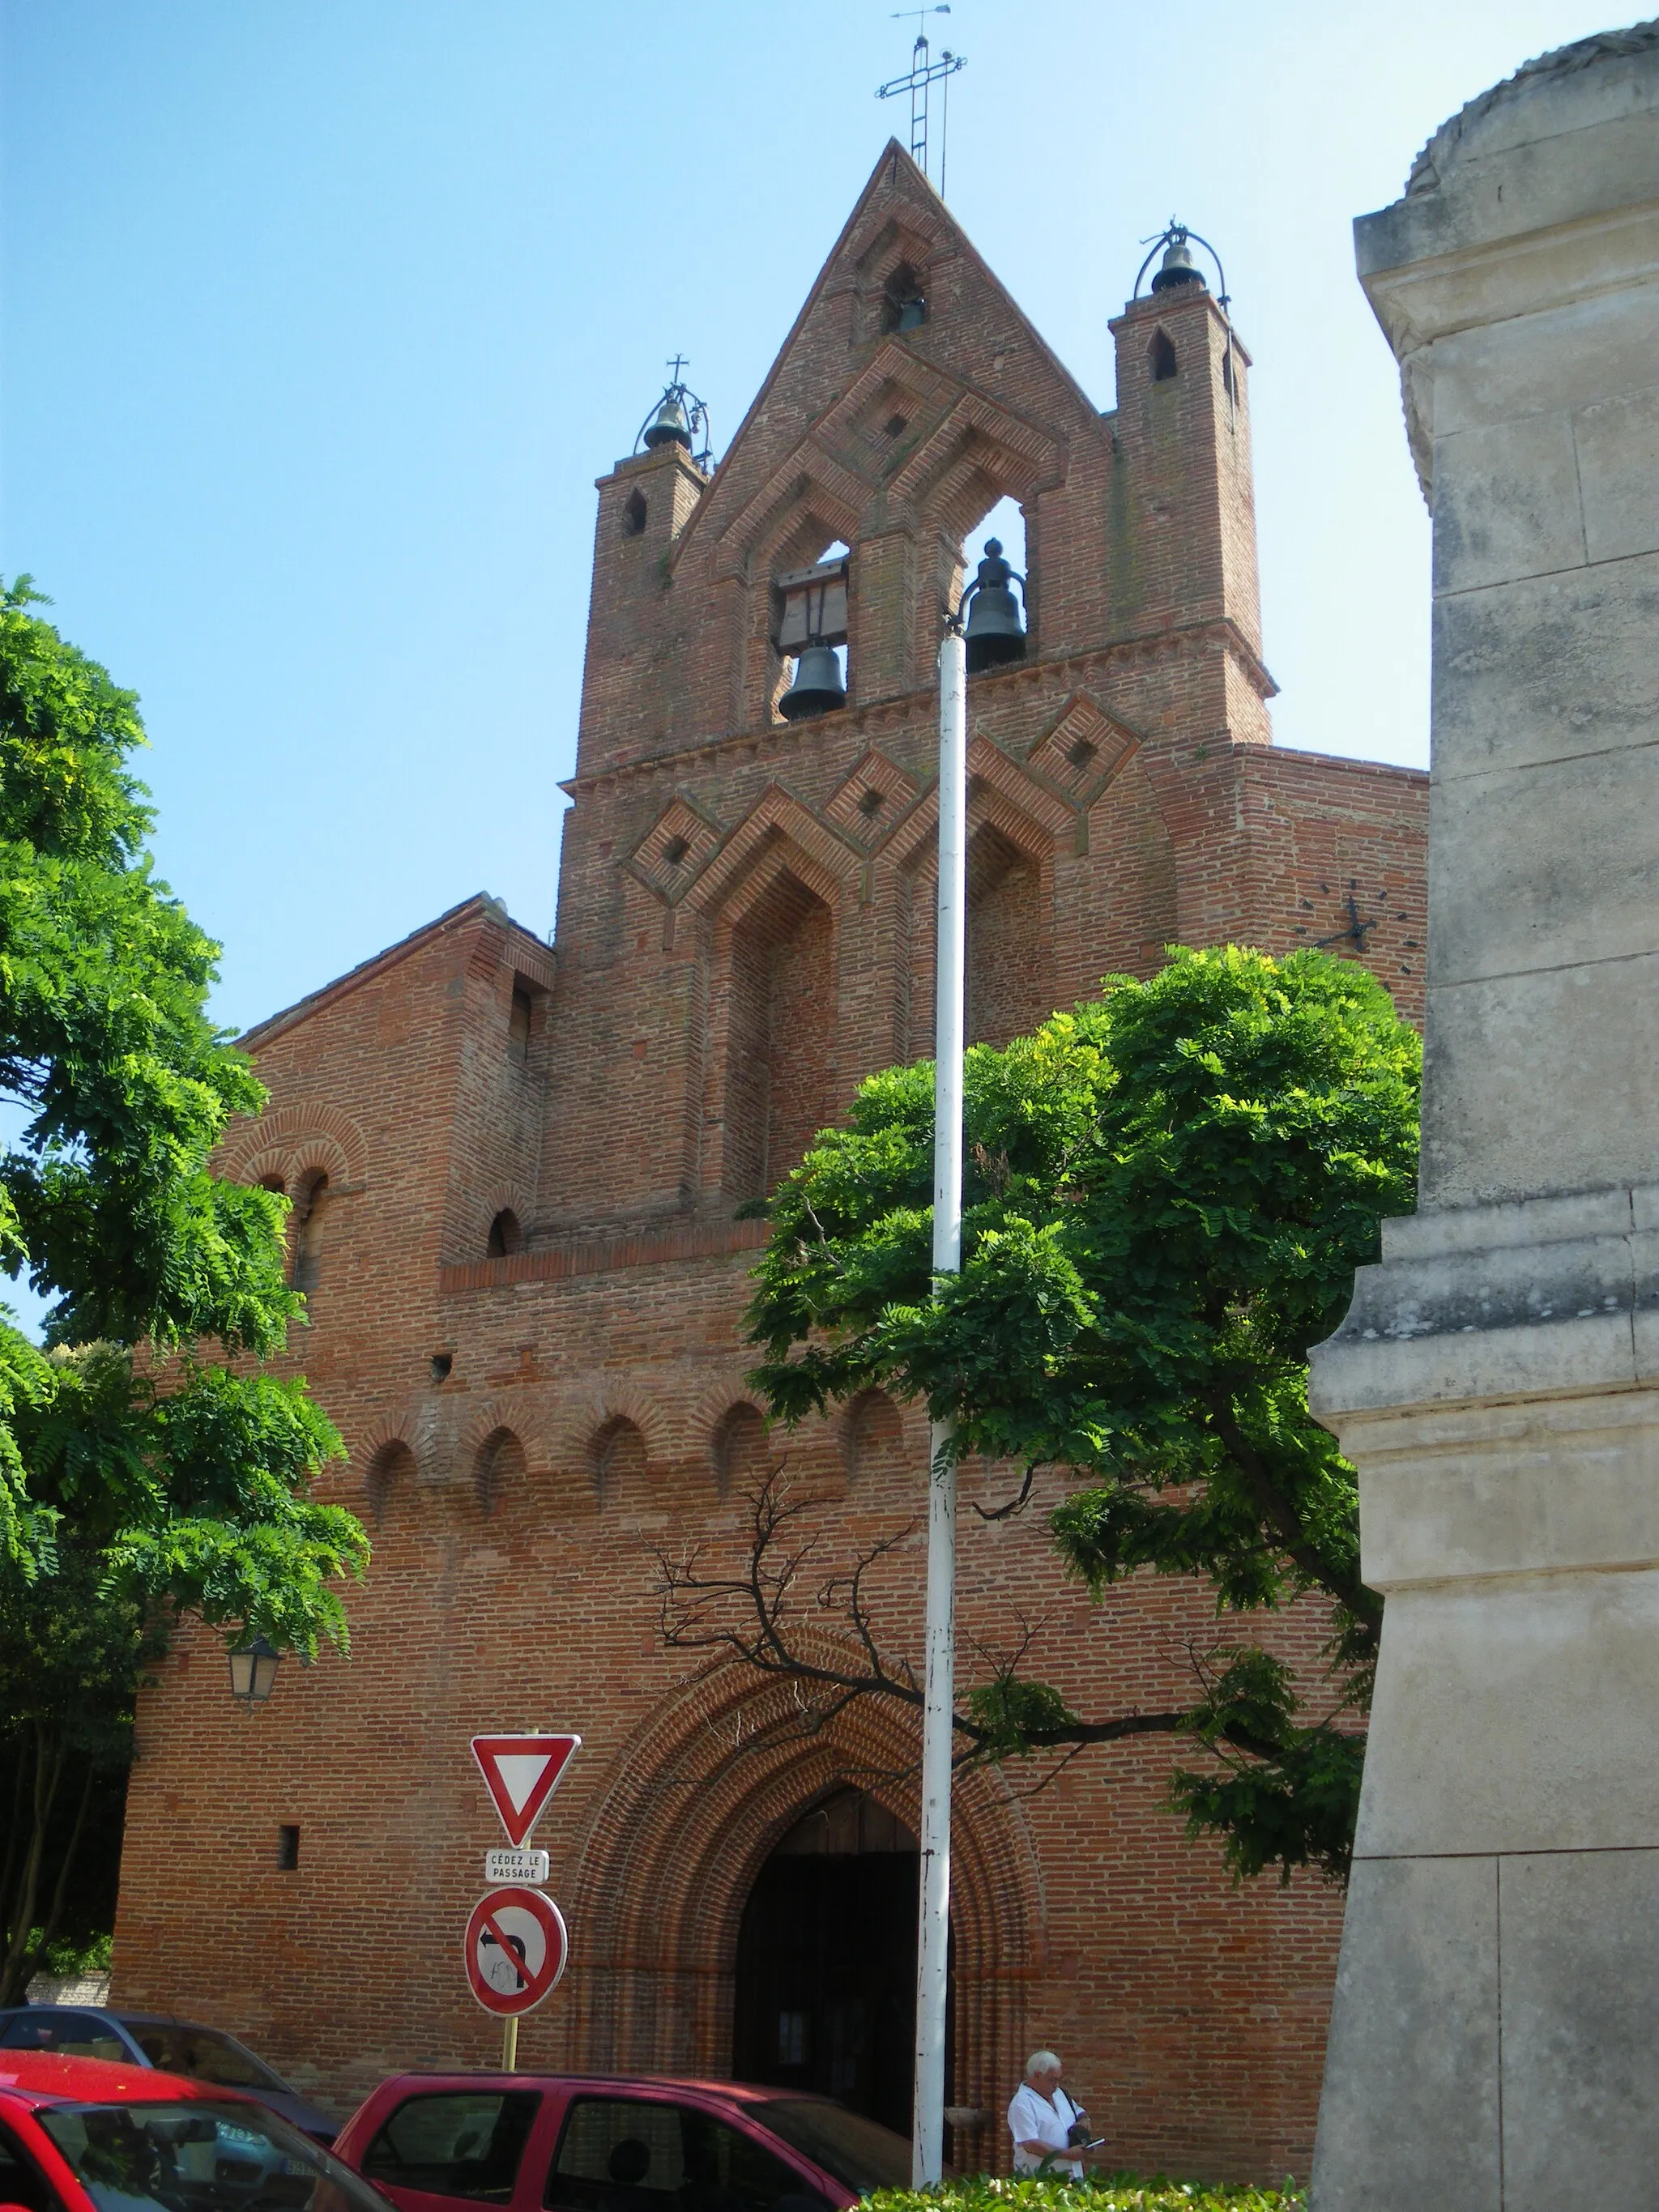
(1178, 267)
(995, 633)
(819, 687)
(669, 425)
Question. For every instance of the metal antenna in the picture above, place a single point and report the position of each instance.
(923, 73)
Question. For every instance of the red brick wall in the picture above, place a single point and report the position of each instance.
(742, 938)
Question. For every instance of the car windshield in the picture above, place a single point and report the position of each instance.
(860, 2153)
(200, 2158)
(205, 2054)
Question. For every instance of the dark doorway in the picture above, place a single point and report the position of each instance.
(826, 1995)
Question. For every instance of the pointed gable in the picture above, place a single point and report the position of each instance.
(858, 417)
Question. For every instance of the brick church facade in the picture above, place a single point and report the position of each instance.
(517, 1175)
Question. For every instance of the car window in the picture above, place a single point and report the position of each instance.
(21, 2181)
(859, 2152)
(204, 2054)
(76, 2034)
(464, 2142)
(199, 2157)
(623, 2154)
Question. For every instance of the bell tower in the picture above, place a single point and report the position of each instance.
(1182, 508)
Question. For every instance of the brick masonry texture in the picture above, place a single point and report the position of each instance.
(746, 921)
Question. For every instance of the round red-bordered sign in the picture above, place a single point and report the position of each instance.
(516, 1948)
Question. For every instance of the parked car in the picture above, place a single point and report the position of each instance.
(148, 2038)
(90, 2135)
(432, 2142)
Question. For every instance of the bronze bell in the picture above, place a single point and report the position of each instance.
(817, 688)
(669, 426)
(1178, 268)
(995, 633)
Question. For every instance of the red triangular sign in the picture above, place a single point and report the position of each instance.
(521, 1772)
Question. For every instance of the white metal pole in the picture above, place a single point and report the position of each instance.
(927, 2136)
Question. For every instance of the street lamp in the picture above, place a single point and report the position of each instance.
(253, 1671)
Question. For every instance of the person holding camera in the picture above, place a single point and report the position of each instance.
(1044, 2121)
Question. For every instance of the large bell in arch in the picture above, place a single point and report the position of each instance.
(817, 688)
(995, 633)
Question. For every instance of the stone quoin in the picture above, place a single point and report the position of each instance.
(517, 1175)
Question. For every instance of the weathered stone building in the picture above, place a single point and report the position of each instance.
(516, 1173)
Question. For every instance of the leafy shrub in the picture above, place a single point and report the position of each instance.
(1099, 2192)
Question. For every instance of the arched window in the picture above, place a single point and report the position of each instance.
(873, 1439)
(616, 1459)
(742, 1458)
(779, 1036)
(633, 515)
(1008, 987)
(903, 302)
(1162, 354)
(391, 1472)
(498, 1470)
(310, 1205)
(273, 1183)
(506, 1237)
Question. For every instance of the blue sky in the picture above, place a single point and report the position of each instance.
(321, 316)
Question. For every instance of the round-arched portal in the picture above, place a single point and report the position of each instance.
(826, 1966)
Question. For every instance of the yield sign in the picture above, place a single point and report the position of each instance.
(515, 1950)
(521, 1773)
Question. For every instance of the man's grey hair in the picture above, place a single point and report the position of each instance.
(1042, 2062)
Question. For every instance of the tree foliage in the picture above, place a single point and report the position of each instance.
(1167, 1192)
(144, 1476)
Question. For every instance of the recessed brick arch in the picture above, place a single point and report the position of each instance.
(292, 1140)
(691, 1808)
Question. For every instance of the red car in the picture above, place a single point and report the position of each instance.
(547, 2142)
(84, 2135)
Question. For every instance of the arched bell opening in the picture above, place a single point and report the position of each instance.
(825, 1994)
(995, 588)
(810, 616)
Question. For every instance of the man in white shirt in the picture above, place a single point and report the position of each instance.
(1041, 2116)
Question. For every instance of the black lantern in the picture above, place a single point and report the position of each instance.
(253, 1671)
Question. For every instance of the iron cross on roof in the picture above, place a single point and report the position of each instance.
(922, 75)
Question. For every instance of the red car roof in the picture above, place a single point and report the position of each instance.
(44, 2077)
(736, 2092)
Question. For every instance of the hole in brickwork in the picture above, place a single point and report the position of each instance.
(442, 1362)
(741, 1453)
(310, 1205)
(1007, 987)
(871, 802)
(1162, 354)
(390, 1471)
(506, 1236)
(288, 1848)
(1080, 752)
(499, 1471)
(633, 515)
(675, 851)
(778, 1038)
(895, 424)
(616, 1461)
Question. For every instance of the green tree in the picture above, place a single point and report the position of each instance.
(1167, 1194)
(148, 1471)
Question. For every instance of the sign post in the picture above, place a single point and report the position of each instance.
(516, 1945)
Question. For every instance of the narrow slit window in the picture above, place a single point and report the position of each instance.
(519, 1023)
(1162, 354)
(633, 515)
(288, 1848)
